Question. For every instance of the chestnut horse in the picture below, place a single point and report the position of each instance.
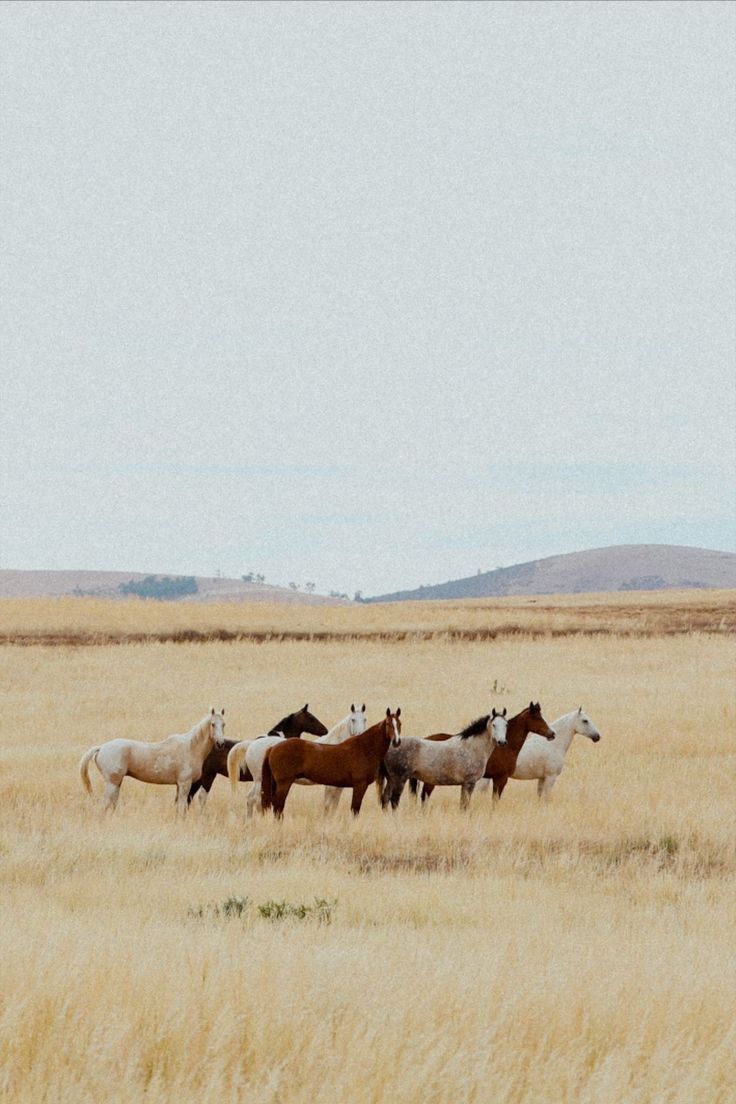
(353, 763)
(502, 760)
(216, 762)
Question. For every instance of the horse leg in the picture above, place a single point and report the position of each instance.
(182, 794)
(426, 792)
(414, 788)
(544, 785)
(279, 799)
(397, 789)
(358, 794)
(111, 795)
(332, 798)
(466, 792)
(499, 784)
(206, 782)
(253, 799)
(193, 790)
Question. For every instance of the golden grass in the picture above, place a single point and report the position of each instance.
(579, 951)
(94, 621)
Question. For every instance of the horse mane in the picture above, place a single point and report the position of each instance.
(475, 728)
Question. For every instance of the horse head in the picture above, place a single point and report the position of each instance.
(585, 726)
(537, 722)
(309, 723)
(357, 720)
(498, 726)
(392, 722)
(217, 726)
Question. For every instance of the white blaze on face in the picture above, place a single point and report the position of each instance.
(498, 729)
(397, 738)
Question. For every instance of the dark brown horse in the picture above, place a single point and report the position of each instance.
(353, 763)
(216, 762)
(502, 760)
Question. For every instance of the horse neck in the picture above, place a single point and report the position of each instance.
(517, 731)
(337, 733)
(201, 737)
(288, 727)
(564, 731)
(378, 738)
(485, 739)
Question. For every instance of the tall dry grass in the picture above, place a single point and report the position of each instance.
(95, 621)
(575, 951)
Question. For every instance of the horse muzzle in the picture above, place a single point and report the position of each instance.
(596, 737)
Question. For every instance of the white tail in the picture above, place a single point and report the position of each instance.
(84, 763)
(235, 758)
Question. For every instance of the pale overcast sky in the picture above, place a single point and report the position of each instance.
(369, 294)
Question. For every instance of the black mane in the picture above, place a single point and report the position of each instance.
(475, 728)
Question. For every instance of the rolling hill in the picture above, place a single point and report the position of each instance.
(621, 567)
(107, 584)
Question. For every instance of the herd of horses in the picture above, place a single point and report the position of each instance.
(350, 755)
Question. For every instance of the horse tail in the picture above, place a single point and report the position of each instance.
(266, 783)
(413, 786)
(235, 758)
(84, 763)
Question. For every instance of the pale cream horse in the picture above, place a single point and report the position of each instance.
(175, 761)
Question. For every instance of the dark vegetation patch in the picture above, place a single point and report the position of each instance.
(163, 588)
(240, 908)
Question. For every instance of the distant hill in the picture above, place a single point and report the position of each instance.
(107, 584)
(621, 567)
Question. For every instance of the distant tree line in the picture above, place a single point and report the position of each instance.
(161, 587)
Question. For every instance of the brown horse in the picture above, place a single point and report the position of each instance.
(502, 760)
(216, 761)
(353, 763)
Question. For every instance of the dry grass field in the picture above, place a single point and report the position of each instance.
(580, 950)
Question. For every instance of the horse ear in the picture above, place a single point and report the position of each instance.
(580, 709)
(222, 711)
(398, 712)
(212, 710)
(363, 709)
(352, 707)
(504, 712)
(388, 711)
(306, 708)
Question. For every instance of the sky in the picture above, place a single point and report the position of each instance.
(372, 295)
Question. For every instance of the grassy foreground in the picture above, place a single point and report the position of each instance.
(576, 951)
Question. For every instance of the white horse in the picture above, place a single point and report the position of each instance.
(177, 760)
(457, 761)
(352, 725)
(254, 753)
(543, 759)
